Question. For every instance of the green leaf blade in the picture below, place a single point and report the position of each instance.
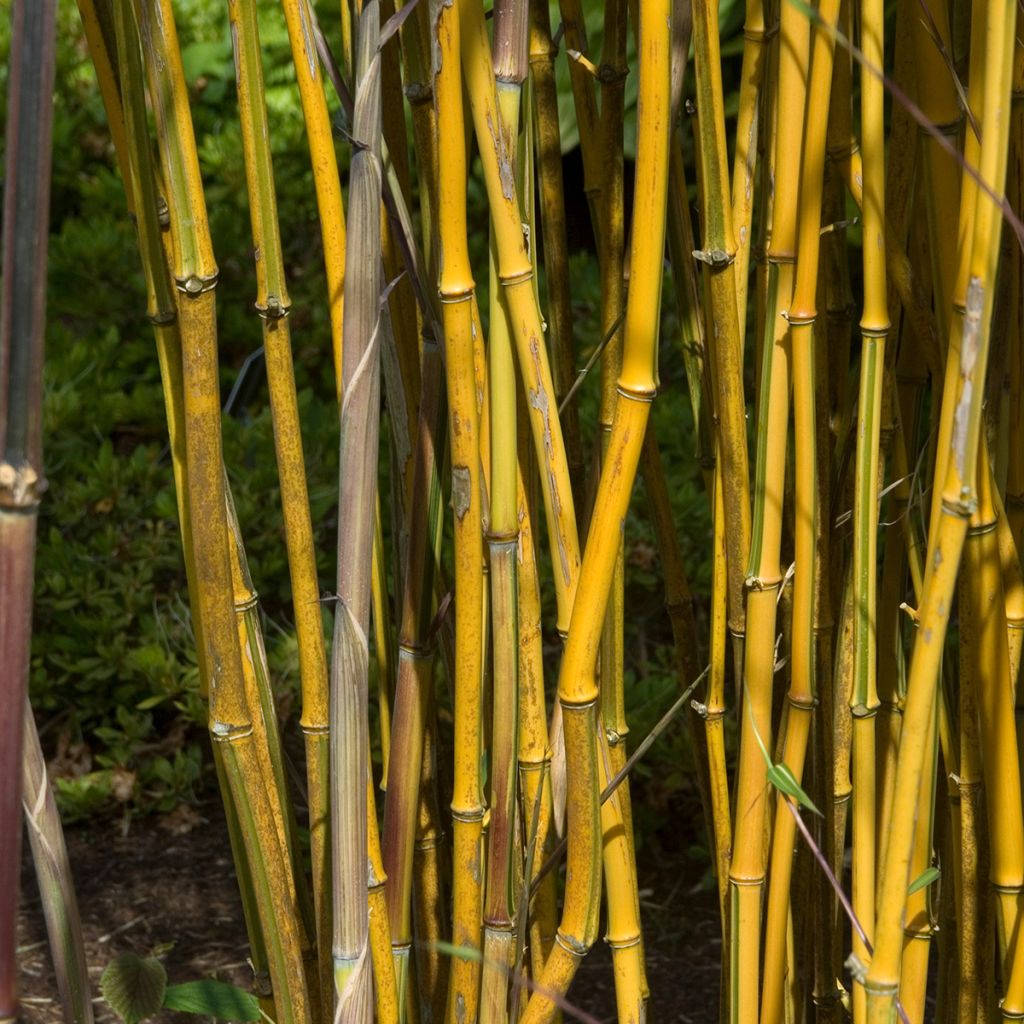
(923, 880)
(210, 998)
(134, 986)
(782, 778)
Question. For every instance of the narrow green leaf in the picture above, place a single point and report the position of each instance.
(134, 987)
(923, 880)
(211, 998)
(782, 778)
(460, 952)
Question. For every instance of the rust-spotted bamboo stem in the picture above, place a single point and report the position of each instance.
(272, 304)
(231, 724)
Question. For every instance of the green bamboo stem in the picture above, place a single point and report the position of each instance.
(722, 320)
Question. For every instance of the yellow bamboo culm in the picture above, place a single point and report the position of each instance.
(456, 288)
(636, 389)
(958, 502)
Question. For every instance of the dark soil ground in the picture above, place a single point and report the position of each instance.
(166, 885)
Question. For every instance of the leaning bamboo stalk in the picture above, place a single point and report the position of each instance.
(548, 149)
(56, 885)
(456, 289)
(721, 314)
(28, 146)
(141, 188)
(272, 304)
(308, 75)
(357, 474)
(510, 70)
(958, 500)
(744, 170)
(231, 726)
(637, 383)
(515, 271)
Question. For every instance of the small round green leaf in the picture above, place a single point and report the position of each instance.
(134, 986)
(211, 998)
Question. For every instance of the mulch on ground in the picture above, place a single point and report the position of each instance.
(166, 886)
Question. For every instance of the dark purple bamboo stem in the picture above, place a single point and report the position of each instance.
(22, 319)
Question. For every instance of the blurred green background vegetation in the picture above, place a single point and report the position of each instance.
(114, 681)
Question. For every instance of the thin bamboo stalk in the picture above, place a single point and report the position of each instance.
(874, 329)
(764, 574)
(414, 685)
(56, 885)
(533, 753)
(272, 303)
(298, 18)
(548, 150)
(510, 68)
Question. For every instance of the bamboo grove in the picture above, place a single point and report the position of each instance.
(844, 255)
